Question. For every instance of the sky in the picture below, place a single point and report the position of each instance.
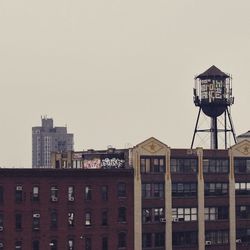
(116, 72)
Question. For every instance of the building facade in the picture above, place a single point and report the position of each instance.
(66, 209)
(174, 199)
(47, 139)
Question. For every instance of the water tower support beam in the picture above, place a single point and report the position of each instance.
(231, 124)
(196, 125)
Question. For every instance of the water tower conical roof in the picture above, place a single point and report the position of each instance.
(212, 72)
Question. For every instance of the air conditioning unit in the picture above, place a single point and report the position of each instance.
(53, 198)
(1, 228)
(162, 220)
(36, 215)
(175, 219)
(71, 198)
(19, 188)
(238, 241)
(208, 243)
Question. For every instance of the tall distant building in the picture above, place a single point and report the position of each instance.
(47, 139)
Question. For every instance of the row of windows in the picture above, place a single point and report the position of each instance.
(156, 190)
(191, 238)
(217, 237)
(70, 243)
(157, 215)
(87, 220)
(157, 164)
(54, 193)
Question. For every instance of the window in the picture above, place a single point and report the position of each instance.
(242, 165)
(36, 221)
(147, 240)
(104, 218)
(242, 188)
(18, 245)
(184, 189)
(71, 244)
(53, 219)
(18, 219)
(88, 243)
(104, 193)
(216, 189)
(183, 165)
(217, 237)
(152, 164)
(243, 212)
(216, 213)
(1, 194)
(122, 214)
(53, 245)
(35, 245)
(215, 166)
(152, 190)
(87, 219)
(88, 193)
(153, 240)
(185, 238)
(35, 193)
(152, 215)
(121, 190)
(184, 214)
(105, 243)
(71, 193)
(243, 234)
(54, 193)
(159, 239)
(122, 240)
(1, 223)
(19, 193)
(71, 219)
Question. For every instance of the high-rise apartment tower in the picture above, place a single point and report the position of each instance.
(47, 139)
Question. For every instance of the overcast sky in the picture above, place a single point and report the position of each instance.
(115, 71)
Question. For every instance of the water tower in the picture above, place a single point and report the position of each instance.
(213, 96)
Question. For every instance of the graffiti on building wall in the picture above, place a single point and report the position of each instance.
(92, 163)
(112, 163)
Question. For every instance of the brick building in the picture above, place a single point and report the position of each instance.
(152, 197)
(66, 209)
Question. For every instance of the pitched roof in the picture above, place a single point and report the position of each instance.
(213, 71)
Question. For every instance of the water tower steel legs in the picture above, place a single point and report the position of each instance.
(196, 125)
(214, 130)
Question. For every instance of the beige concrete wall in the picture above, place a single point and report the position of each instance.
(168, 204)
(151, 147)
(137, 201)
(241, 149)
(200, 196)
